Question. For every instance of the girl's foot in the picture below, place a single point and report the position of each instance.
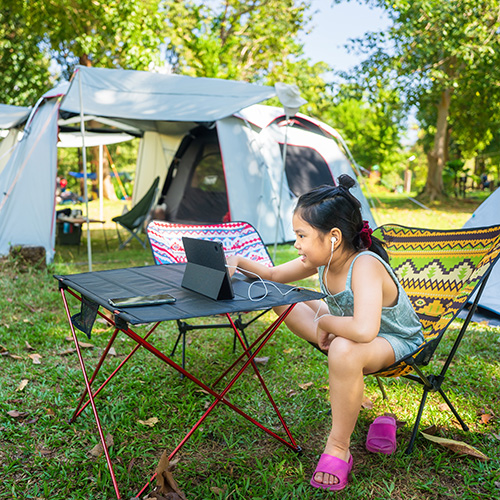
(333, 471)
(334, 451)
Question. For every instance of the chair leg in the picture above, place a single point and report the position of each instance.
(452, 408)
(409, 449)
(382, 388)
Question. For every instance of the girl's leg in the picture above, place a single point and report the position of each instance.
(301, 319)
(348, 362)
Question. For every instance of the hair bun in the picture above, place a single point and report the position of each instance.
(346, 181)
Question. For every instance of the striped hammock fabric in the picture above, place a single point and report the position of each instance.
(237, 238)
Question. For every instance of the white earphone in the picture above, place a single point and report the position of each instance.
(333, 240)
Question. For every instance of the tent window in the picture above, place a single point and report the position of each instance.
(305, 169)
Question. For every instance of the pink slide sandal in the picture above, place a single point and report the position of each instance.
(328, 464)
(382, 435)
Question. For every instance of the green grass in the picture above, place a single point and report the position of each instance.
(42, 456)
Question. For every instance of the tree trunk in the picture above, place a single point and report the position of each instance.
(434, 187)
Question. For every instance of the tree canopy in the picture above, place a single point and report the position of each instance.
(252, 40)
(444, 59)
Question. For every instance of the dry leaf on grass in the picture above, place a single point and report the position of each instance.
(218, 491)
(165, 480)
(17, 414)
(67, 351)
(150, 422)
(36, 358)
(305, 386)
(367, 403)
(98, 449)
(28, 346)
(23, 384)
(83, 345)
(485, 418)
(457, 446)
(261, 361)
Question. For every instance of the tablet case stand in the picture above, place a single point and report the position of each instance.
(208, 281)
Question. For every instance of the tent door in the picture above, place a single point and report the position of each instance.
(196, 190)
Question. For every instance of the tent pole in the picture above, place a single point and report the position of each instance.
(85, 192)
(280, 192)
(101, 182)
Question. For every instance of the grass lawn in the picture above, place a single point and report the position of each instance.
(42, 456)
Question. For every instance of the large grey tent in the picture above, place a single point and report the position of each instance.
(488, 214)
(165, 110)
(233, 170)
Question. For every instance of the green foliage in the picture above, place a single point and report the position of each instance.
(434, 49)
(24, 63)
(235, 39)
(112, 33)
(372, 125)
(240, 40)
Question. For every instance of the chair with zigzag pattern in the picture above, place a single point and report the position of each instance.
(441, 271)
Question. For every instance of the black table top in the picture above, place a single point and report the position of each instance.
(99, 286)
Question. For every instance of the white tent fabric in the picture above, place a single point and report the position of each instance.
(7, 146)
(488, 214)
(27, 185)
(151, 101)
(156, 151)
(252, 182)
(74, 139)
(12, 116)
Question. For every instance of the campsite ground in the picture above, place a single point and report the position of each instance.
(43, 457)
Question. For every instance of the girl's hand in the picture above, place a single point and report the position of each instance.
(232, 263)
(324, 338)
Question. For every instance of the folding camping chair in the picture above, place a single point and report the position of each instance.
(239, 238)
(133, 220)
(439, 270)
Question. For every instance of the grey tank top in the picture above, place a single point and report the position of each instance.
(400, 320)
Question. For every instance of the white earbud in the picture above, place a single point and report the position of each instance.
(333, 240)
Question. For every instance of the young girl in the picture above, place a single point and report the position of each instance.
(367, 322)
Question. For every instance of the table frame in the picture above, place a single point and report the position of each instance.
(249, 352)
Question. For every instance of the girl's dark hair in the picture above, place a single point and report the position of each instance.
(326, 207)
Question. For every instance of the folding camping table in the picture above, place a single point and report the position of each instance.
(93, 289)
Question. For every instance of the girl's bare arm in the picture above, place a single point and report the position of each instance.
(293, 270)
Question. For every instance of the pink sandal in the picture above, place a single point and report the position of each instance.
(382, 435)
(328, 464)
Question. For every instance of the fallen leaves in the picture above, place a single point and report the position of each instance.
(83, 345)
(22, 385)
(36, 358)
(166, 484)
(459, 447)
(485, 418)
(5, 352)
(17, 414)
(150, 422)
(98, 449)
(367, 403)
(305, 386)
(262, 361)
